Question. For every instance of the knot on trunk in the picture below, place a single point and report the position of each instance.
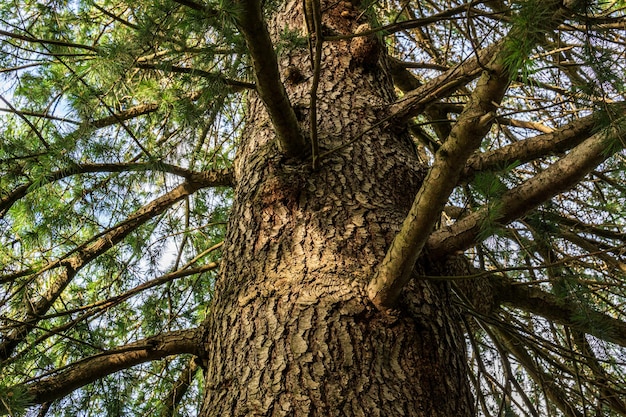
(365, 50)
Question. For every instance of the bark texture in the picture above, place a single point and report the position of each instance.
(292, 331)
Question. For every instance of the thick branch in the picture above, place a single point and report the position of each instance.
(473, 124)
(98, 366)
(466, 135)
(127, 114)
(563, 311)
(268, 84)
(529, 149)
(194, 5)
(559, 177)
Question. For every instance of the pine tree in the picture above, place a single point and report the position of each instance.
(312, 208)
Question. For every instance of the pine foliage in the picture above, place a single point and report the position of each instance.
(108, 105)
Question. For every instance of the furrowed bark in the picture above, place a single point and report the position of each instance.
(293, 331)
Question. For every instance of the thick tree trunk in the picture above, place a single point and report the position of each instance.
(291, 331)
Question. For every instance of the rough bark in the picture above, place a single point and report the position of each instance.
(292, 331)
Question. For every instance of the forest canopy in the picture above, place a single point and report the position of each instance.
(119, 126)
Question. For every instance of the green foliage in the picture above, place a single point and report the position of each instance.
(291, 39)
(13, 400)
(97, 65)
(109, 95)
(524, 35)
(488, 187)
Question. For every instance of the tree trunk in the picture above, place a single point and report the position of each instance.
(291, 330)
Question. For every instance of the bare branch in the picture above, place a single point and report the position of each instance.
(612, 263)
(560, 176)
(527, 150)
(414, 102)
(95, 367)
(38, 114)
(268, 84)
(576, 224)
(563, 311)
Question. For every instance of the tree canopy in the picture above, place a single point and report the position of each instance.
(120, 121)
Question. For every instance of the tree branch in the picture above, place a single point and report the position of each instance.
(98, 366)
(392, 28)
(560, 176)
(576, 224)
(268, 84)
(612, 263)
(532, 148)
(236, 85)
(547, 382)
(181, 385)
(31, 39)
(72, 263)
(194, 5)
(213, 178)
(414, 102)
(610, 395)
(465, 137)
(557, 309)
